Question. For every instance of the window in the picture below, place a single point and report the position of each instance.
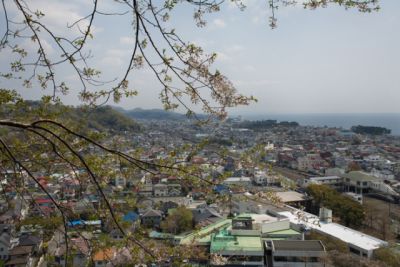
(295, 259)
(355, 251)
(280, 259)
(255, 258)
(313, 259)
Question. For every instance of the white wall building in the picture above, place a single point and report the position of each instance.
(358, 242)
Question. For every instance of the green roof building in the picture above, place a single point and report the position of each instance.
(238, 250)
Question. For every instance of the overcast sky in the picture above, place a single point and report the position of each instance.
(322, 61)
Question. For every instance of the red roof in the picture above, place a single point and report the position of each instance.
(46, 210)
(43, 183)
(43, 200)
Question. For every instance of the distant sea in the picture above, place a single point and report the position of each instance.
(390, 120)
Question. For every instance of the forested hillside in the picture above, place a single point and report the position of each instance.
(102, 118)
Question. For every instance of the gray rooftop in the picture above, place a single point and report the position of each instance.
(298, 245)
(359, 176)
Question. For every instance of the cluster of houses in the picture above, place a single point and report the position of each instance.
(270, 235)
(19, 249)
(165, 187)
(243, 231)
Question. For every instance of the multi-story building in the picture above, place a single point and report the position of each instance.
(335, 182)
(358, 243)
(294, 253)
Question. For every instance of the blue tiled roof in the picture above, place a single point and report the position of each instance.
(130, 216)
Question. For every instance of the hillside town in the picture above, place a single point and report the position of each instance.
(268, 179)
(199, 133)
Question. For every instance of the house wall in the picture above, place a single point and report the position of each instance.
(151, 221)
(243, 232)
(297, 264)
(3, 252)
(298, 258)
(244, 258)
(160, 190)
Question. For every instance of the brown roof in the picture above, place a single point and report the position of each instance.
(17, 261)
(152, 213)
(21, 250)
(81, 244)
(290, 196)
(105, 254)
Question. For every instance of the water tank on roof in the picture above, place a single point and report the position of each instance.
(325, 215)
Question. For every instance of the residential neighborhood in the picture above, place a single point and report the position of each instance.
(254, 205)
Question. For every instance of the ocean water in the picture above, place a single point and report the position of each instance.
(390, 121)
